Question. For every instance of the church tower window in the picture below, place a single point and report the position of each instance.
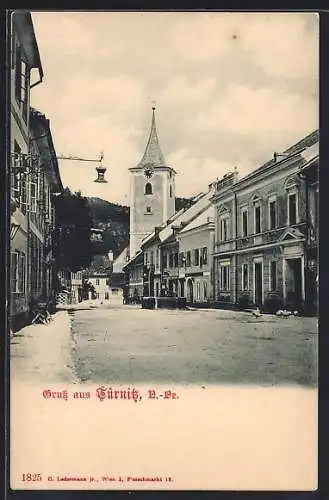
(148, 188)
(170, 191)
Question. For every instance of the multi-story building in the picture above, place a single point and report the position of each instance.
(260, 232)
(45, 185)
(76, 287)
(117, 278)
(30, 203)
(195, 245)
(309, 175)
(134, 278)
(165, 271)
(98, 275)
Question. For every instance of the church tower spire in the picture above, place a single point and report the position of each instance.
(152, 191)
(152, 154)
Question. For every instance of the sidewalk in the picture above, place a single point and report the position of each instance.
(41, 353)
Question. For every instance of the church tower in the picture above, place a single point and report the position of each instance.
(152, 191)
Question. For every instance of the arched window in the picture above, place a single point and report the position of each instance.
(148, 188)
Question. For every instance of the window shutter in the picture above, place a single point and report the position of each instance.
(33, 197)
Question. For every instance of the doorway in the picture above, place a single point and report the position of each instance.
(190, 291)
(258, 281)
(293, 282)
(182, 288)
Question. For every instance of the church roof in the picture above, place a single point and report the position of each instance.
(152, 153)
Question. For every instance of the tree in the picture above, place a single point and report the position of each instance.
(87, 287)
(73, 248)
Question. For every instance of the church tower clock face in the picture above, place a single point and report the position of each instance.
(148, 170)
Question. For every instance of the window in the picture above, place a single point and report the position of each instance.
(21, 272)
(14, 272)
(292, 209)
(245, 222)
(146, 258)
(33, 196)
(18, 74)
(171, 260)
(152, 258)
(245, 285)
(21, 82)
(196, 257)
(148, 210)
(15, 180)
(170, 191)
(97, 281)
(272, 214)
(224, 227)
(176, 259)
(273, 276)
(257, 227)
(25, 86)
(157, 261)
(224, 276)
(164, 260)
(204, 256)
(148, 188)
(188, 258)
(181, 259)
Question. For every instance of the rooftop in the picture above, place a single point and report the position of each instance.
(152, 154)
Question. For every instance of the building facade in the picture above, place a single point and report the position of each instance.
(309, 175)
(165, 271)
(45, 185)
(196, 246)
(261, 231)
(24, 62)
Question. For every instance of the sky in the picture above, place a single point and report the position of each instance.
(230, 89)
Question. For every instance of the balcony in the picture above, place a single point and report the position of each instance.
(265, 238)
(171, 272)
(225, 246)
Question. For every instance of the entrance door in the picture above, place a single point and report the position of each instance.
(190, 291)
(182, 289)
(258, 283)
(293, 282)
(151, 282)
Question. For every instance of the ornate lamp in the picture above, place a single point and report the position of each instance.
(100, 174)
(101, 171)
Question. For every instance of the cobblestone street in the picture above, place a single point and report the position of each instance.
(129, 345)
(126, 344)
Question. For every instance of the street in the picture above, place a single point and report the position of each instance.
(126, 344)
(252, 380)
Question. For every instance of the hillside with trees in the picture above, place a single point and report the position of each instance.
(113, 220)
